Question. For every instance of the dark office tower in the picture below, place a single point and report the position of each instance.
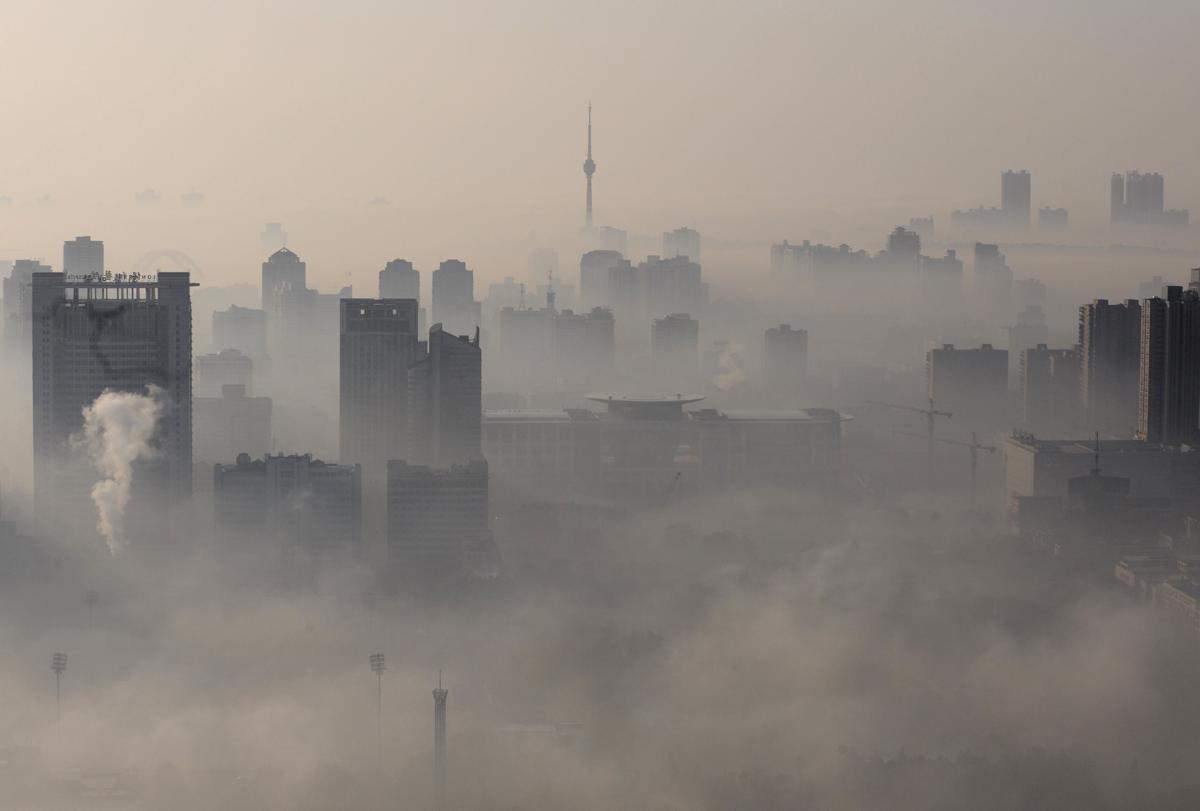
(446, 400)
(399, 280)
(437, 519)
(683, 242)
(1110, 341)
(589, 169)
(1015, 198)
(972, 384)
(1169, 371)
(94, 335)
(439, 745)
(378, 344)
(454, 305)
(1050, 391)
(282, 272)
(243, 329)
(785, 360)
(675, 348)
(593, 278)
(83, 256)
(18, 309)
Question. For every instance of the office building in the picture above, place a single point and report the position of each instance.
(683, 242)
(378, 344)
(215, 371)
(785, 361)
(243, 329)
(230, 424)
(454, 305)
(1110, 353)
(446, 400)
(282, 272)
(972, 384)
(122, 335)
(437, 519)
(288, 502)
(83, 256)
(1169, 368)
(399, 279)
(675, 348)
(1015, 197)
(1050, 391)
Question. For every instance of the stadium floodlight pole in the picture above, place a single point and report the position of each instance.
(378, 665)
(58, 663)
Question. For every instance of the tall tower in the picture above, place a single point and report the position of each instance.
(589, 169)
(439, 744)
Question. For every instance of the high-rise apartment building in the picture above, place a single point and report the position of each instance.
(1016, 197)
(83, 256)
(293, 502)
(378, 344)
(1050, 391)
(1110, 352)
(454, 305)
(583, 347)
(18, 309)
(675, 348)
(972, 384)
(230, 424)
(785, 360)
(92, 335)
(212, 372)
(446, 400)
(1169, 368)
(437, 519)
(1137, 198)
(593, 277)
(683, 242)
(243, 329)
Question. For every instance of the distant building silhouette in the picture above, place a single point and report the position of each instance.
(1138, 199)
(1052, 218)
(399, 280)
(972, 384)
(594, 267)
(785, 361)
(1050, 391)
(212, 372)
(230, 424)
(675, 348)
(1015, 197)
(438, 520)
(83, 256)
(18, 310)
(243, 329)
(453, 292)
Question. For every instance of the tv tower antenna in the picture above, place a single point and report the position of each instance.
(589, 169)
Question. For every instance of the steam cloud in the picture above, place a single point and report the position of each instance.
(117, 430)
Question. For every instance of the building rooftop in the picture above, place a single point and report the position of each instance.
(1088, 446)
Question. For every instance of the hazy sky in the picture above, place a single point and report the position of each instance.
(744, 119)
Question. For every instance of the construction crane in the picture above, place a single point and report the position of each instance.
(931, 414)
(974, 446)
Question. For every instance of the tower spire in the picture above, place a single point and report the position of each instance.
(589, 169)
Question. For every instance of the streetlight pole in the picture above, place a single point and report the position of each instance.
(58, 663)
(378, 665)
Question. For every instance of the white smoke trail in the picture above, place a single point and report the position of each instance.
(117, 430)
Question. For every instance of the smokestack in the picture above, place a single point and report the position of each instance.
(439, 745)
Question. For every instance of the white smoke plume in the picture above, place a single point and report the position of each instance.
(117, 430)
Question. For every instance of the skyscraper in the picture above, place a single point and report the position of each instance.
(1050, 390)
(378, 344)
(1110, 342)
(446, 400)
(398, 279)
(283, 271)
(83, 256)
(18, 309)
(972, 384)
(785, 360)
(1169, 369)
(122, 335)
(589, 169)
(243, 329)
(675, 348)
(437, 519)
(454, 305)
